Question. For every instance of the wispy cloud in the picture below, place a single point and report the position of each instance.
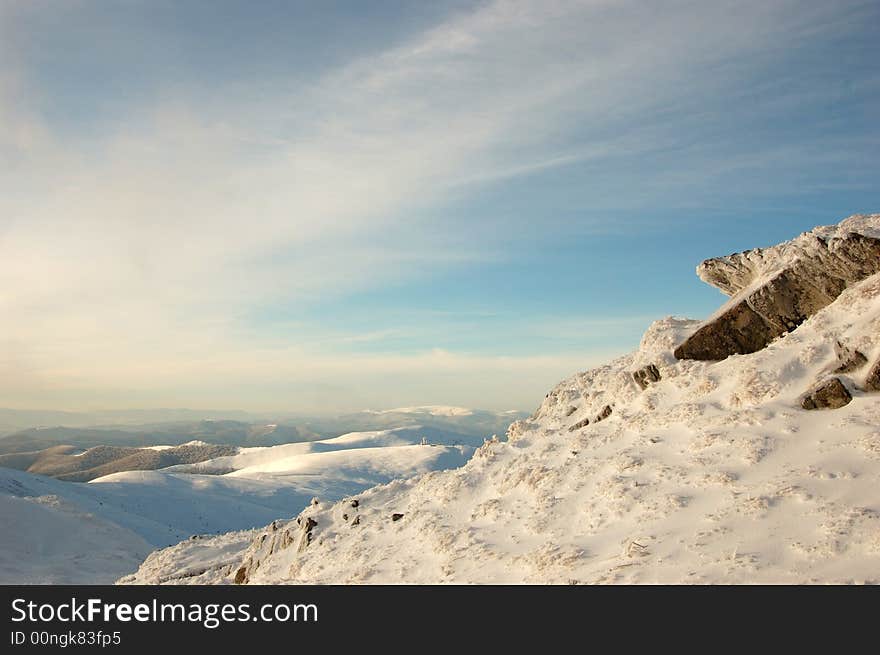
(133, 254)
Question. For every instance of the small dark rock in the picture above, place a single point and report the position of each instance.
(357, 520)
(571, 410)
(580, 424)
(872, 382)
(354, 503)
(646, 375)
(241, 576)
(850, 359)
(345, 517)
(605, 413)
(396, 517)
(831, 394)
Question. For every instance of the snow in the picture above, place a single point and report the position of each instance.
(134, 512)
(47, 540)
(714, 474)
(431, 410)
(194, 442)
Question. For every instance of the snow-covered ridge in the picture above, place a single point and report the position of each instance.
(111, 523)
(647, 469)
(431, 410)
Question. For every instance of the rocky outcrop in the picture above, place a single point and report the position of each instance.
(776, 289)
(872, 381)
(646, 375)
(276, 538)
(831, 394)
(849, 359)
(580, 424)
(739, 330)
(605, 413)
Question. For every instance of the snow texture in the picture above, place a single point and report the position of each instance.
(74, 533)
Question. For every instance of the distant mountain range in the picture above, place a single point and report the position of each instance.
(40, 430)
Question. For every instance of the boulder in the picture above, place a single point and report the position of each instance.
(738, 331)
(776, 289)
(830, 394)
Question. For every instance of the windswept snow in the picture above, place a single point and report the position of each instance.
(49, 540)
(133, 512)
(713, 473)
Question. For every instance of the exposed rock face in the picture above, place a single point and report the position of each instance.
(831, 394)
(580, 424)
(739, 330)
(605, 413)
(776, 289)
(872, 382)
(306, 525)
(273, 540)
(850, 359)
(646, 375)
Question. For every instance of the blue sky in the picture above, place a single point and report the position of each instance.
(327, 206)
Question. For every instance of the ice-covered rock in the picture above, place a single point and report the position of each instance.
(776, 289)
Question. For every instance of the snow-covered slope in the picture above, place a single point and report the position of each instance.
(105, 528)
(712, 473)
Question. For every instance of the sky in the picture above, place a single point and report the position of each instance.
(338, 205)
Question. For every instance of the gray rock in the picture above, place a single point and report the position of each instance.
(850, 359)
(830, 394)
(738, 331)
(646, 375)
(811, 272)
(580, 424)
(872, 381)
(305, 532)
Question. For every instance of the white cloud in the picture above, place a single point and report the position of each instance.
(127, 259)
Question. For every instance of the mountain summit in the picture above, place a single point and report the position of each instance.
(744, 448)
